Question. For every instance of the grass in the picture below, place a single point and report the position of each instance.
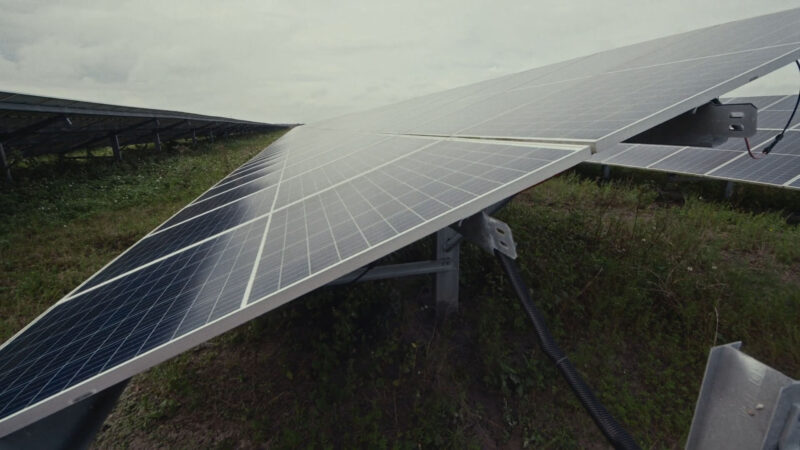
(62, 221)
(636, 288)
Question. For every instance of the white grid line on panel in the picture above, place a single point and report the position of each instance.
(766, 108)
(609, 159)
(725, 163)
(249, 287)
(788, 183)
(159, 230)
(308, 250)
(75, 293)
(330, 228)
(668, 156)
(199, 201)
(352, 218)
(377, 211)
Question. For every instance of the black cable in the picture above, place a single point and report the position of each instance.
(613, 430)
(779, 137)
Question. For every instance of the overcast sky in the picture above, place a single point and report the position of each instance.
(300, 61)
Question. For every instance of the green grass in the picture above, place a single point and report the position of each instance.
(62, 221)
(636, 289)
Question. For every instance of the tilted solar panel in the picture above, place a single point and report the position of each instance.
(730, 161)
(329, 198)
(33, 125)
(601, 99)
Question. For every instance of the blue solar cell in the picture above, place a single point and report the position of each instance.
(162, 243)
(127, 317)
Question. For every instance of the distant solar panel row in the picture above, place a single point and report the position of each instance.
(33, 125)
(327, 199)
(730, 161)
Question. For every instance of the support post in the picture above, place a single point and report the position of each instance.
(606, 172)
(115, 147)
(447, 247)
(157, 141)
(4, 163)
(194, 136)
(71, 428)
(729, 186)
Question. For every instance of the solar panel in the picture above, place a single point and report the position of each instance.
(33, 125)
(729, 161)
(152, 303)
(603, 98)
(329, 198)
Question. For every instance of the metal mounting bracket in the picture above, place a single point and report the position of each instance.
(744, 403)
(706, 126)
(481, 229)
(71, 428)
(488, 233)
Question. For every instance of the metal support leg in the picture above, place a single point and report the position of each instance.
(447, 247)
(115, 147)
(194, 137)
(606, 172)
(157, 141)
(71, 428)
(4, 163)
(729, 186)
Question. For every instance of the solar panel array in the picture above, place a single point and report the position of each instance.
(601, 99)
(33, 125)
(729, 161)
(229, 262)
(327, 199)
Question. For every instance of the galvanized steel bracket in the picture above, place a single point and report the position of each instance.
(744, 403)
(709, 125)
(488, 233)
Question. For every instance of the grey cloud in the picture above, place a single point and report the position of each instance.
(307, 60)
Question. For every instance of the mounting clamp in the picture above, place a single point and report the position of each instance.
(706, 126)
(487, 233)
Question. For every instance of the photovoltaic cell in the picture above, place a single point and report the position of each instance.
(774, 169)
(642, 155)
(695, 161)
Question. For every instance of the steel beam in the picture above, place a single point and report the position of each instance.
(606, 172)
(33, 128)
(729, 187)
(447, 248)
(441, 265)
(115, 147)
(105, 136)
(71, 428)
(4, 163)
